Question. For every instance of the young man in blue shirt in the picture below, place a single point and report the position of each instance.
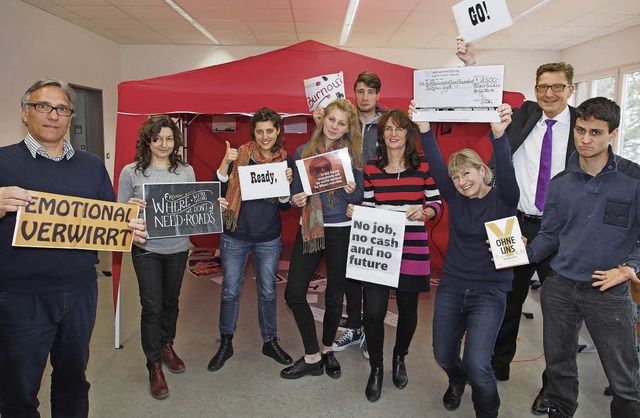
(591, 222)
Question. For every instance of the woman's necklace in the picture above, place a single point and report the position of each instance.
(397, 169)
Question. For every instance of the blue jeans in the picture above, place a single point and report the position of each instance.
(610, 317)
(34, 325)
(159, 281)
(234, 254)
(479, 314)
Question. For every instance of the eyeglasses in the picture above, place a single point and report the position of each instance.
(47, 108)
(556, 88)
(321, 169)
(391, 129)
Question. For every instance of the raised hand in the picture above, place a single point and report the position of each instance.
(422, 126)
(465, 51)
(231, 154)
(498, 128)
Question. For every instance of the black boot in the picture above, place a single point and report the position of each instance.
(225, 351)
(374, 384)
(400, 378)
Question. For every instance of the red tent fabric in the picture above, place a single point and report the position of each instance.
(272, 79)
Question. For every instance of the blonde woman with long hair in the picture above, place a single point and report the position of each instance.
(324, 230)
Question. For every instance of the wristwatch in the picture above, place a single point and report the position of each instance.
(630, 266)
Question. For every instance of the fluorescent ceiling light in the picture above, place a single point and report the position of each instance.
(531, 10)
(191, 20)
(348, 21)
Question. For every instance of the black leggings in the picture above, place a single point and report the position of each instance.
(300, 270)
(375, 309)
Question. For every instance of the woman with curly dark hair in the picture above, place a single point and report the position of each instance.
(159, 263)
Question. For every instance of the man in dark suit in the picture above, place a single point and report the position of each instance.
(526, 134)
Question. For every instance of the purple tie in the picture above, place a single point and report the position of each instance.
(544, 174)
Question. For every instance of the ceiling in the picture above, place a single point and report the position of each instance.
(378, 23)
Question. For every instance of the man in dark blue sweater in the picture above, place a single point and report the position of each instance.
(591, 223)
(47, 296)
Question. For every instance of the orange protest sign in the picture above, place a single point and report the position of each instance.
(58, 221)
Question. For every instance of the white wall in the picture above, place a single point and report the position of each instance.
(36, 44)
(611, 51)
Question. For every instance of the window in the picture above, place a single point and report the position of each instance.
(623, 86)
(629, 137)
(580, 93)
(605, 87)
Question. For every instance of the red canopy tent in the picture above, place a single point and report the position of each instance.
(273, 79)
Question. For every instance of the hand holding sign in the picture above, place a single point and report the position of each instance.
(13, 198)
(498, 128)
(139, 230)
(465, 51)
(318, 114)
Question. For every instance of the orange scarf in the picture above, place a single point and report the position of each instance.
(234, 195)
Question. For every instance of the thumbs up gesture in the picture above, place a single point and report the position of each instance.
(231, 154)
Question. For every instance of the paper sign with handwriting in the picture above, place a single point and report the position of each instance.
(477, 19)
(58, 221)
(261, 181)
(324, 172)
(459, 94)
(375, 245)
(507, 247)
(179, 209)
(324, 89)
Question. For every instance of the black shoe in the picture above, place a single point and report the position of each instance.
(301, 368)
(225, 351)
(331, 365)
(374, 384)
(541, 404)
(452, 397)
(272, 349)
(501, 375)
(400, 378)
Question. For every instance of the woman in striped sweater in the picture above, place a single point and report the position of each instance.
(399, 180)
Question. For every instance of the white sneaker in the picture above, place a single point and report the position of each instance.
(363, 346)
(349, 337)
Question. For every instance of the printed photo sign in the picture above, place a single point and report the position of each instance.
(58, 221)
(507, 247)
(324, 172)
(179, 209)
(459, 94)
(261, 181)
(375, 245)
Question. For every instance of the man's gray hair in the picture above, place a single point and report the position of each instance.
(49, 82)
